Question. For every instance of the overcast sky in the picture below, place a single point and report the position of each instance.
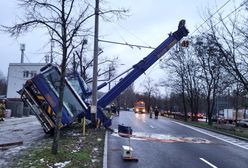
(149, 23)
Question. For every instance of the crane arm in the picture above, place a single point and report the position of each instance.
(144, 64)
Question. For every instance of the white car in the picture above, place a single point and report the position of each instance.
(243, 123)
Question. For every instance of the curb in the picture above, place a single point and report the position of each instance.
(105, 154)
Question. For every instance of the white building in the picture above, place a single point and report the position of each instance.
(18, 74)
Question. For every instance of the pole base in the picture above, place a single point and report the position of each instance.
(93, 120)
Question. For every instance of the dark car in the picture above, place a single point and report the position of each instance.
(243, 123)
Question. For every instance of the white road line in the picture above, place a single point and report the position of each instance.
(151, 126)
(193, 128)
(210, 164)
(105, 154)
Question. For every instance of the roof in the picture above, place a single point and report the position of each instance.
(27, 64)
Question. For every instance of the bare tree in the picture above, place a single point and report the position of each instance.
(84, 63)
(108, 69)
(64, 22)
(128, 97)
(228, 37)
(149, 90)
(185, 70)
(192, 83)
(177, 66)
(210, 66)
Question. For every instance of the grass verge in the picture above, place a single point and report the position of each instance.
(223, 128)
(75, 151)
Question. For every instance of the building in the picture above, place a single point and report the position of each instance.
(18, 74)
(221, 103)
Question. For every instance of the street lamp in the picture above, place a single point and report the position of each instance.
(22, 48)
(111, 68)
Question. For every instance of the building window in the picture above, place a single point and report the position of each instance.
(32, 74)
(25, 74)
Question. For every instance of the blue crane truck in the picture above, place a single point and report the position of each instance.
(41, 93)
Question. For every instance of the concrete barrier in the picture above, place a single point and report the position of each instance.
(16, 108)
(7, 113)
(26, 111)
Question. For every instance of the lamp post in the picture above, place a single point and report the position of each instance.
(111, 68)
(22, 48)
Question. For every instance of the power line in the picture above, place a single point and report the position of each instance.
(149, 47)
(197, 29)
(126, 44)
(131, 33)
(231, 12)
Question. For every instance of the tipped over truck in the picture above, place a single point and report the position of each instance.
(41, 93)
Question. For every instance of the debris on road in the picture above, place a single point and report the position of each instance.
(161, 138)
(11, 143)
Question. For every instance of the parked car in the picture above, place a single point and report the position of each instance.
(199, 115)
(243, 123)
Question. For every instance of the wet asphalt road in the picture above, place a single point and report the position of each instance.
(25, 129)
(163, 143)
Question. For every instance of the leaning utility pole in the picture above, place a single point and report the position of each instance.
(95, 68)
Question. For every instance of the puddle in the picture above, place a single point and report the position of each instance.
(162, 138)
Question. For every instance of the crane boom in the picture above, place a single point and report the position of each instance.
(143, 65)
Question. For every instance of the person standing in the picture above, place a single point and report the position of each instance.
(118, 110)
(150, 111)
(156, 112)
(113, 108)
(2, 110)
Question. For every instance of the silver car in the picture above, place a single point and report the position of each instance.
(243, 123)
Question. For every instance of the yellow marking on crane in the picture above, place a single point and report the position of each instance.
(61, 125)
(49, 110)
(40, 97)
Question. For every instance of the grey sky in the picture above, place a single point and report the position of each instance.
(149, 23)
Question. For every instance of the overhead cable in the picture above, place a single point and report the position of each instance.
(197, 29)
(126, 44)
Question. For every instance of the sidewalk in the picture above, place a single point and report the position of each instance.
(17, 134)
(24, 129)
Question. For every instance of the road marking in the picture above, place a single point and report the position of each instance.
(210, 164)
(151, 126)
(206, 133)
(105, 153)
